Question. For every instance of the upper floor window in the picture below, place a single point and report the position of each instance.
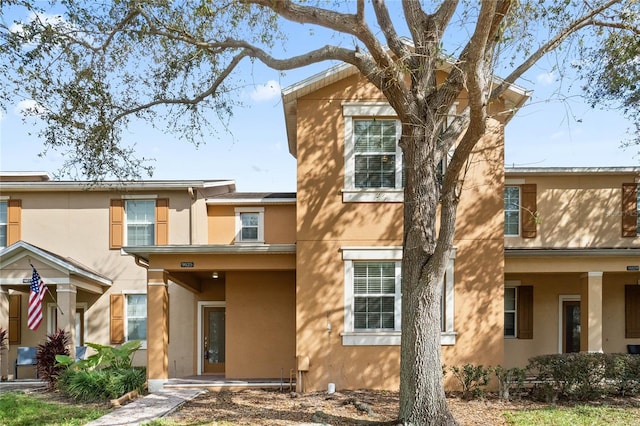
(249, 224)
(3, 223)
(372, 156)
(375, 153)
(520, 209)
(512, 210)
(140, 222)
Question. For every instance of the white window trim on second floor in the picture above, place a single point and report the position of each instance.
(351, 337)
(260, 212)
(350, 193)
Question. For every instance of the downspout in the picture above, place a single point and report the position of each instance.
(141, 262)
(193, 196)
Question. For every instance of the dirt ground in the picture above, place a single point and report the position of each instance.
(262, 407)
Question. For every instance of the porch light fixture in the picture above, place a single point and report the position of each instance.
(214, 275)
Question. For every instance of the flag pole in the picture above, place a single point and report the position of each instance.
(48, 291)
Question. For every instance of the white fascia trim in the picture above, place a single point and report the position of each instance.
(5, 197)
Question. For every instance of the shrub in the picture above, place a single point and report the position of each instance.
(48, 369)
(509, 379)
(622, 372)
(473, 379)
(107, 374)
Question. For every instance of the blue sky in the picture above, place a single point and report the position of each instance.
(254, 152)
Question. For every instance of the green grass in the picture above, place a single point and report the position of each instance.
(573, 416)
(20, 409)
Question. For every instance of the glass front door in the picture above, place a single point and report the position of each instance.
(571, 326)
(213, 340)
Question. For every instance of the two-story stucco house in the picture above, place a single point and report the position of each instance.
(256, 285)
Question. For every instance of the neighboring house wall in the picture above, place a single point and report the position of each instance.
(578, 254)
(329, 228)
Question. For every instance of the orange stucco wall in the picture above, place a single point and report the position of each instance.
(279, 224)
(260, 320)
(326, 223)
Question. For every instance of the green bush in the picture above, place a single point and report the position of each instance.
(509, 380)
(584, 376)
(472, 378)
(107, 374)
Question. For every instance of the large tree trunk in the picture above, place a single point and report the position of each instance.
(422, 397)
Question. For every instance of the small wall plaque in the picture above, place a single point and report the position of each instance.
(186, 264)
(633, 268)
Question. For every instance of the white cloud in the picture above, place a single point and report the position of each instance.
(546, 78)
(265, 92)
(29, 107)
(45, 18)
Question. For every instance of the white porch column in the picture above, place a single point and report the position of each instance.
(4, 324)
(66, 295)
(591, 312)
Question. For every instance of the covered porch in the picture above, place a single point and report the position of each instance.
(585, 300)
(72, 288)
(221, 313)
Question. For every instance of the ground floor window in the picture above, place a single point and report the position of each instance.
(373, 298)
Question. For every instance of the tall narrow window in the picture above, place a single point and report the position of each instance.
(3, 223)
(512, 210)
(375, 153)
(510, 311)
(140, 220)
(249, 230)
(374, 289)
(136, 318)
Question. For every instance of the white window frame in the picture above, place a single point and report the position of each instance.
(260, 212)
(368, 110)
(513, 286)
(149, 198)
(351, 337)
(638, 209)
(127, 293)
(519, 209)
(4, 202)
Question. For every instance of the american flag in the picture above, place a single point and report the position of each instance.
(36, 294)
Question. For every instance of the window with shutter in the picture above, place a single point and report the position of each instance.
(136, 222)
(117, 319)
(518, 312)
(10, 215)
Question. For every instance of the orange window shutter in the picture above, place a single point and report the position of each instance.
(14, 213)
(525, 312)
(529, 211)
(15, 315)
(116, 223)
(117, 318)
(632, 311)
(629, 209)
(162, 221)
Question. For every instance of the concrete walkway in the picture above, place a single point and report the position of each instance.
(145, 409)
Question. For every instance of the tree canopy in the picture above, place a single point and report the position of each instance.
(94, 67)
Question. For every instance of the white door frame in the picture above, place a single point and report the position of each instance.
(201, 306)
(561, 299)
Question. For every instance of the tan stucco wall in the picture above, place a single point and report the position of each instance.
(260, 321)
(547, 289)
(325, 224)
(580, 210)
(76, 225)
